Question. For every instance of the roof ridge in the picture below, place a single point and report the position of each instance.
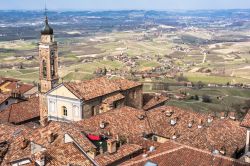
(156, 155)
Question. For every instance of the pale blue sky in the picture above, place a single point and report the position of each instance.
(124, 4)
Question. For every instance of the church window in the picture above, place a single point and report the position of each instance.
(64, 111)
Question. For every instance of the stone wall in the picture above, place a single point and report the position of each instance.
(91, 107)
(134, 97)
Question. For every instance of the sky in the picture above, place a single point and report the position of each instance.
(123, 4)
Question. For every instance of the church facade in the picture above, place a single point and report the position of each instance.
(74, 101)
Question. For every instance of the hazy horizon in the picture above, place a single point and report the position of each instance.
(162, 5)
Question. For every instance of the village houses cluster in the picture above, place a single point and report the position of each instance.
(108, 122)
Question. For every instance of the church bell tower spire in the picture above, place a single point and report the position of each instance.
(48, 66)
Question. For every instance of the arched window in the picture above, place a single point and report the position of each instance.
(44, 69)
(76, 111)
(64, 111)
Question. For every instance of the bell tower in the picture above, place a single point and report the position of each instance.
(48, 57)
(48, 73)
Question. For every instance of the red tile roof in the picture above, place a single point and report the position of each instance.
(19, 87)
(4, 97)
(111, 99)
(56, 151)
(3, 79)
(22, 111)
(124, 122)
(246, 120)
(126, 84)
(212, 136)
(182, 155)
(87, 90)
(90, 89)
(122, 152)
(154, 101)
(67, 154)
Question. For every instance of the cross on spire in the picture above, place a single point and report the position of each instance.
(45, 9)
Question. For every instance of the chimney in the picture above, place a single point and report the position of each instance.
(174, 136)
(40, 158)
(111, 145)
(92, 153)
(232, 116)
(190, 124)
(151, 148)
(223, 150)
(51, 137)
(222, 115)
(117, 138)
(128, 141)
(173, 121)
(25, 143)
(210, 119)
(102, 125)
(101, 150)
(17, 85)
(200, 123)
(169, 113)
(141, 117)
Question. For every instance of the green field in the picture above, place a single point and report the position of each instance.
(205, 78)
(230, 98)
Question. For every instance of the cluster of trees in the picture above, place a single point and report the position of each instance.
(205, 98)
(241, 109)
(195, 97)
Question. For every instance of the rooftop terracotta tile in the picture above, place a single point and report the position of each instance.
(126, 84)
(187, 130)
(22, 111)
(182, 155)
(90, 89)
(4, 97)
(19, 87)
(40, 136)
(246, 120)
(122, 152)
(111, 99)
(154, 101)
